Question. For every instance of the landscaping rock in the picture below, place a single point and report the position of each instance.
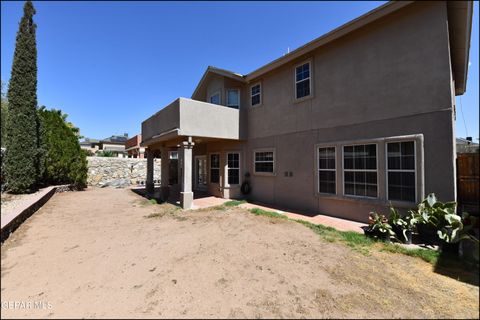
(102, 171)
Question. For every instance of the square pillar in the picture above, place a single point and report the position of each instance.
(186, 194)
(165, 175)
(149, 183)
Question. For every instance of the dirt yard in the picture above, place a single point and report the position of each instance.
(97, 254)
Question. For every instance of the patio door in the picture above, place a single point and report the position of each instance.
(200, 173)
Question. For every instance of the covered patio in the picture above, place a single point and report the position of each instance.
(182, 134)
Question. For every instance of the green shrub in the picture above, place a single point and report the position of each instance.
(64, 161)
(106, 153)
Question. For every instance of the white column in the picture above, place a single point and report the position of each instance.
(186, 194)
(149, 183)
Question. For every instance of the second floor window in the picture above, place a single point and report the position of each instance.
(255, 95)
(233, 98)
(302, 81)
(215, 98)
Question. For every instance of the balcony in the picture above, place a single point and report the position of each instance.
(187, 117)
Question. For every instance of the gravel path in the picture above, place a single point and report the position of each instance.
(97, 254)
(11, 201)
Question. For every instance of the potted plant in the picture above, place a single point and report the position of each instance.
(378, 227)
(398, 225)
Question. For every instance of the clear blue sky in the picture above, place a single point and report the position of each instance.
(110, 65)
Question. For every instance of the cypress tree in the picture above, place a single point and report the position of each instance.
(22, 125)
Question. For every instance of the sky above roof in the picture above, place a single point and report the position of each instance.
(110, 65)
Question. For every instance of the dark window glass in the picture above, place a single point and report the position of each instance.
(302, 80)
(264, 162)
(233, 163)
(326, 170)
(214, 168)
(255, 94)
(360, 165)
(215, 99)
(401, 171)
(303, 88)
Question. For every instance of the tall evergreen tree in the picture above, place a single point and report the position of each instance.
(21, 155)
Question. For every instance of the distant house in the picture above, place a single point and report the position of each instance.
(91, 145)
(132, 147)
(115, 144)
(466, 146)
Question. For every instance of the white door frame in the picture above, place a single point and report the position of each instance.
(195, 175)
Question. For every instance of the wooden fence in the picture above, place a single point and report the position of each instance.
(468, 186)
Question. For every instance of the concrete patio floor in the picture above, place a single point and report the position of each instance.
(337, 223)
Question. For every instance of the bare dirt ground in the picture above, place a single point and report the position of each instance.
(96, 254)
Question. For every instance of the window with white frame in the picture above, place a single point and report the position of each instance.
(233, 167)
(302, 81)
(401, 171)
(214, 168)
(233, 98)
(326, 170)
(264, 161)
(215, 98)
(360, 170)
(255, 94)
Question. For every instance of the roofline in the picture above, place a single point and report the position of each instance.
(336, 33)
(222, 72)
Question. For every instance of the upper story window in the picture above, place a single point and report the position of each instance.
(360, 170)
(302, 81)
(401, 171)
(233, 98)
(255, 95)
(215, 98)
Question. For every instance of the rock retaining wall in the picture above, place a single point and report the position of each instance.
(104, 171)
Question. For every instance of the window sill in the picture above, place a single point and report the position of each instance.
(264, 174)
(299, 100)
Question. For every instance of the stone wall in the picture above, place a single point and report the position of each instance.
(104, 171)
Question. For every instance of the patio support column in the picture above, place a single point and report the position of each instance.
(149, 183)
(165, 174)
(186, 194)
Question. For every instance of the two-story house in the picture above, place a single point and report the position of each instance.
(353, 121)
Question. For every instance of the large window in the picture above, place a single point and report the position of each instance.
(215, 98)
(255, 94)
(360, 170)
(233, 98)
(264, 162)
(214, 168)
(326, 170)
(401, 171)
(233, 167)
(302, 80)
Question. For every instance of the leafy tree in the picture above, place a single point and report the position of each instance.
(64, 162)
(21, 156)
